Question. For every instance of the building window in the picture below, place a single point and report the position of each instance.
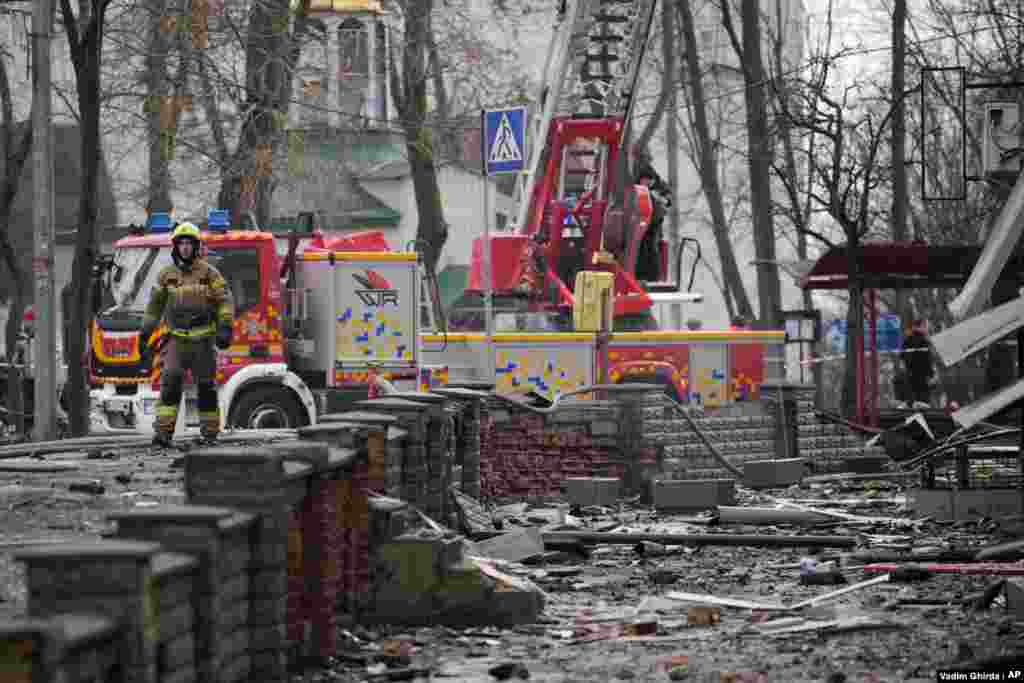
(500, 221)
(241, 269)
(353, 52)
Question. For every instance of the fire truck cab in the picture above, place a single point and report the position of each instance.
(289, 337)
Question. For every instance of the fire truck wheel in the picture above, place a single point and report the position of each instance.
(267, 407)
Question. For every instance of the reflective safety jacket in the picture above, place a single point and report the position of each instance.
(193, 302)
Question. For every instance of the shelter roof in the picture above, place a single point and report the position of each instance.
(903, 265)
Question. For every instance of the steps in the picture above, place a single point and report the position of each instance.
(752, 437)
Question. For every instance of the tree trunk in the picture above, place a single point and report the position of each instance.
(17, 154)
(670, 52)
(899, 142)
(271, 53)
(707, 163)
(86, 49)
(156, 81)
(759, 146)
(410, 94)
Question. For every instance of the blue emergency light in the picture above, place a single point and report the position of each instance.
(218, 220)
(159, 222)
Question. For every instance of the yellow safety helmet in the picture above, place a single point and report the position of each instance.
(183, 230)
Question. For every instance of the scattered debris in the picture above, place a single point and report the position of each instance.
(94, 487)
(786, 627)
(728, 514)
(751, 540)
(724, 602)
(1014, 550)
(102, 455)
(700, 615)
(507, 670)
(973, 568)
(649, 549)
(473, 517)
(514, 546)
(36, 467)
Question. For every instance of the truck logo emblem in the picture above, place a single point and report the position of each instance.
(377, 290)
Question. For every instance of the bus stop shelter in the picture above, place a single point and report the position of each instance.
(895, 266)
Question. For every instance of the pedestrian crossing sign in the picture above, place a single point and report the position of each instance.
(504, 140)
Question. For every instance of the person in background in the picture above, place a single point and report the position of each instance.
(917, 360)
(739, 323)
(648, 262)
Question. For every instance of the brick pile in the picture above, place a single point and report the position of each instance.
(522, 457)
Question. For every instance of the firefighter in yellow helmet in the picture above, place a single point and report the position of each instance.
(192, 297)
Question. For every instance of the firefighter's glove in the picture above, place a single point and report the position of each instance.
(224, 337)
(144, 349)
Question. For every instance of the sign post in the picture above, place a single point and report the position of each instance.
(504, 145)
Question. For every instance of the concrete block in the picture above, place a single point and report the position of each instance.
(110, 578)
(866, 464)
(773, 473)
(471, 594)
(1015, 597)
(585, 491)
(700, 494)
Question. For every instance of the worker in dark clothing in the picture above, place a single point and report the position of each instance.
(648, 260)
(917, 359)
(192, 298)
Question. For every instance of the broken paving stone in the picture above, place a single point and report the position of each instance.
(515, 546)
(102, 455)
(36, 467)
(473, 517)
(552, 557)
(507, 670)
(650, 549)
(663, 577)
(93, 487)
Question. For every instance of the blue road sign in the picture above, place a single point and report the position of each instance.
(504, 140)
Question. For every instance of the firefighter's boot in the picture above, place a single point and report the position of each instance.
(209, 413)
(166, 418)
(167, 408)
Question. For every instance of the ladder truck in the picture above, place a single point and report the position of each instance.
(579, 212)
(577, 241)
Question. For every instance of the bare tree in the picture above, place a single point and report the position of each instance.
(16, 150)
(899, 132)
(705, 153)
(760, 150)
(410, 88)
(85, 40)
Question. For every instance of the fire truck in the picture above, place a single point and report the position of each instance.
(582, 233)
(308, 310)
